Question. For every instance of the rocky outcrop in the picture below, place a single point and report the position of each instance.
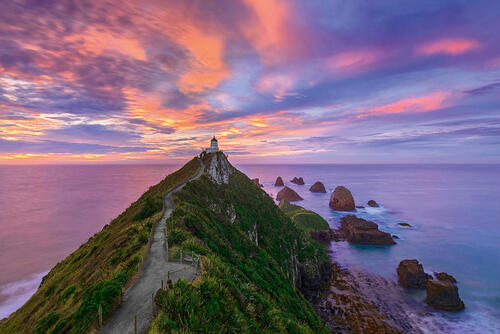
(341, 199)
(312, 278)
(445, 277)
(298, 180)
(219, 169)
(318, 187)
(279, 182)
(288, 194)
(257, 182)
(360, 231)
(411, 274)
(443, 295)
(373, 204)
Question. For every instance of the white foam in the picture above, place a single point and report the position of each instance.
(13, 295)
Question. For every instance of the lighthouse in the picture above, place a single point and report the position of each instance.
(214, 146)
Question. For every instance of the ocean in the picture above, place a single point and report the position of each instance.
(46, 212)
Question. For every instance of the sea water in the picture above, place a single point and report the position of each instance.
(46, 212)
(454, 211)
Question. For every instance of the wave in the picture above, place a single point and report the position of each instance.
(13, 295)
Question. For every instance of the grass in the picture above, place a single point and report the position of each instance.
(304, 219)
(94, 274)
(249, 263)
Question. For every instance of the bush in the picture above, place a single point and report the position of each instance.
(177, 235)
(46, 322)
(102, 293)
(152, 206)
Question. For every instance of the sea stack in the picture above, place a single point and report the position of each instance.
(279, 182)
(443, 295)
(289, 195)
(318, 187)
(257, 183)
(411, 274)
(342, 200)
(360, 231)
(372, 204)
(298, 180)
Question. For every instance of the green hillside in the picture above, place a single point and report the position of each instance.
(254, 258)
(70, 294)
(305, 219)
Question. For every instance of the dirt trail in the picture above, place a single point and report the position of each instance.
(137, 299)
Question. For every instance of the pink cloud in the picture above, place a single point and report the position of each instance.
(353, 61)
(448, 46)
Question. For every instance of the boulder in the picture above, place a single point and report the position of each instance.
(360, 231)
(372, 204)
(256, 181)
(318, 187)
(411, 274)
(288, 194)
(445, 277)
(279, 182)
(299, 181)
(443, 295)
(341, 199)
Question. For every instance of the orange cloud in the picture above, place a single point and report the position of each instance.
(448, 46)
(268, 32)
(413, 104)
(207, 68)
(352, 61)
(98, 42)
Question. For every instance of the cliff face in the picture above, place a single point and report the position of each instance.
(254, 258)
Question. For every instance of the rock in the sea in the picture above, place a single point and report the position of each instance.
(318, 187)
(256, 181)
(341, 199)
(443, 295)
(411, 274)
(288, 194)
(404, 224)
(279, 182)
(445, 277)
(395, 236)
(359, 207)
(299, 181)
(360, 231)
(372, 204)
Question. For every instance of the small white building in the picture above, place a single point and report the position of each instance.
(214, 146)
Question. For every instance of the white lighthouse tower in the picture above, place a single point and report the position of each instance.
(214, 146)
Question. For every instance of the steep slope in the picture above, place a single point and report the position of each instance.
(70, 294)
(255, 261)
(305, 219)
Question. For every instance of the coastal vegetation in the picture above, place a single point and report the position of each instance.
(306, 220)
(254, 266)
(69, 296)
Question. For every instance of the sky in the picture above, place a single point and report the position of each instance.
(276, 81)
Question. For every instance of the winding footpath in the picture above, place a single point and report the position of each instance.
(137, 300)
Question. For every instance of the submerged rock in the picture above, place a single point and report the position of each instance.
(318, 187)
(404, 224)
(359, 207)
(360, 231)
(372, 204)
(341, 199)
(445, 277)
(395, 236)
(256, 181)
(288, 194)
(411, 274)
(299, 181)
(443, 295)
(279, 182)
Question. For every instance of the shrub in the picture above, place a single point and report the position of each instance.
(46, 322)
(152, 206)
(177, 235)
